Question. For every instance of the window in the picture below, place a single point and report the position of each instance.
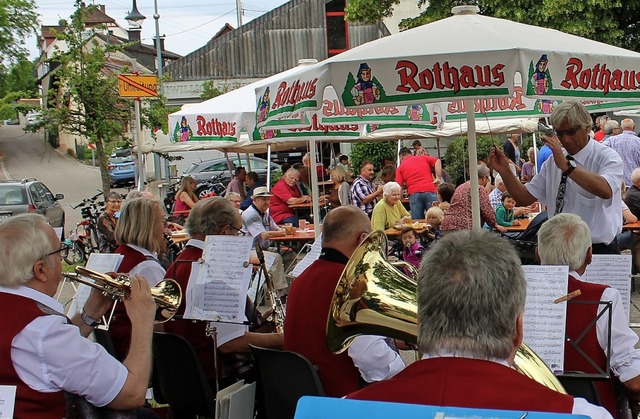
(336, 27)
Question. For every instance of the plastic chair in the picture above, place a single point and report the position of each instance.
(180, 378)
(283, 377)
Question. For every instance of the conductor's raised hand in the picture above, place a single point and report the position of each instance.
(141, 307)
(558, 154)
(497, 160)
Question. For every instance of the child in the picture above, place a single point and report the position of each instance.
(434, 219)
(444, 194)
(412, 250)
(504, 213)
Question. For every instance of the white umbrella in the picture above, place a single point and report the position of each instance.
(463, 57)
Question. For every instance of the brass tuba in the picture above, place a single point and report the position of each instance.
(166, 294)
(374, 298)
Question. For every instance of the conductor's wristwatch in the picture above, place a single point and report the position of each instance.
(571, 167)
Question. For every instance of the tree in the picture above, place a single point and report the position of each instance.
(606, 21)
(84, 100)
(373, 152)
(18, 20)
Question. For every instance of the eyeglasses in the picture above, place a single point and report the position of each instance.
(64, 248)
(238, 231)
(569, 132)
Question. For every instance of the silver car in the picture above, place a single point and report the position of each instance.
(30, 195)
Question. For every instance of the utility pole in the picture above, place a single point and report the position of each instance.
(239, 11)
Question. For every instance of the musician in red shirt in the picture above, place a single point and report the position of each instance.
(471, 295)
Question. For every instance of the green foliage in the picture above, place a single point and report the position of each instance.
(209, 90)
(369, 11)
(84, 100)
(155, 116)
(457, 157)
(609, 21)
(18, 20)
(276, 175)
(18, 77)
(374, 152)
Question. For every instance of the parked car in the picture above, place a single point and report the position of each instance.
(205, 170)
(33, 118)
(11, 121)
(30, 195)
(122, 167)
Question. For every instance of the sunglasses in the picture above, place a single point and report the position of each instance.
(569, 132)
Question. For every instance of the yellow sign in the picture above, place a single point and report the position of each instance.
(132, 85)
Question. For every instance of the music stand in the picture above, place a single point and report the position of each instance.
(601, 374)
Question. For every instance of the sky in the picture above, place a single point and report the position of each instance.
(187, 26)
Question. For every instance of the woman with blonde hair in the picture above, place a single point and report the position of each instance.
(139, 231)
(185, 199)
(341, 191)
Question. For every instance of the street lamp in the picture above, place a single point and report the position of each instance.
(135, 18)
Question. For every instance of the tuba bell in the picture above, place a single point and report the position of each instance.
(374, 298)
(166, 294)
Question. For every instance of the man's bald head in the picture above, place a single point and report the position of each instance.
(344, 227)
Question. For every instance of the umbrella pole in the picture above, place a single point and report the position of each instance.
(535, 155)
(473, 165)
(269, 167)
(314, 188)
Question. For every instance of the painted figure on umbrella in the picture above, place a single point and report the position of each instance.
(541, 81)
(365, 91)
(184, 133)
(263, 108)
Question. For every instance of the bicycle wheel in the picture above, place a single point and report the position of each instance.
(74, 254)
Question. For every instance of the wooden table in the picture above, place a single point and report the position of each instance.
(524, 223)
(397, 232)
(300, 236)
(632, 226)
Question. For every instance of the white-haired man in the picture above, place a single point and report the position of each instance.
(627, 145)
(43, 354)
(584, 177)
(566, 240)
(470, 325)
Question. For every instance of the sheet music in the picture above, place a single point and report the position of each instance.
(7, 401)
(614, 271)
(217, 291)
(309, 258)
(544, 320)
(99, 262)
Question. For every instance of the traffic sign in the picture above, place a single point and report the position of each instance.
(133, 85)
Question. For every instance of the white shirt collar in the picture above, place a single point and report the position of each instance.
(143, 251)
(196, 243)
(36, 296)
(462, 354)
(582, 155)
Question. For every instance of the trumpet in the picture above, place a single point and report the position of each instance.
(166, 294)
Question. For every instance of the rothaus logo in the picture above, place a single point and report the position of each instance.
(484, 106)
(295, 93)
(444, 76)
(599, 77)
(215, 127)
(316, 126)
(332, 108)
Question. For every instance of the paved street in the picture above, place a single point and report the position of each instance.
(26, 155)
